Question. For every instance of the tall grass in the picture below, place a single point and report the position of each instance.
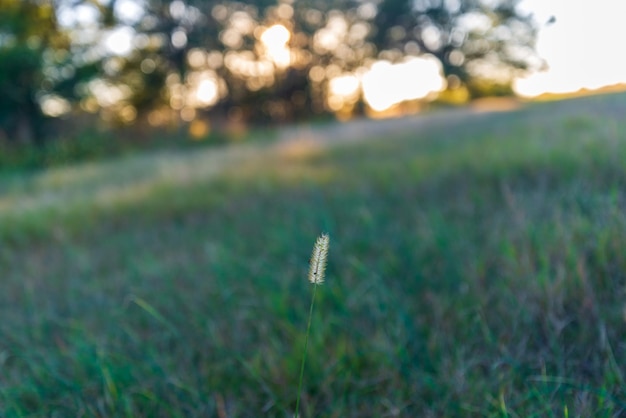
(481, 273)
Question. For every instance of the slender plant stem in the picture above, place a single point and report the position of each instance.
(306, 344)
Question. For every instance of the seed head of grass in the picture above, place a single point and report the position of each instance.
(318, 260)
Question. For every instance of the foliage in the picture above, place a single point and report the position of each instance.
(28, 29)
(471, 39)
(173, 60)
(477, 265)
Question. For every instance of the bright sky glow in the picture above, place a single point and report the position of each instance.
(207, 92)
(275, 41)
(345, 85)
(129, 11)
(54, 106)
(83, 14)
(583, 48)
(386, 84)
(119, 41)
(343, 90)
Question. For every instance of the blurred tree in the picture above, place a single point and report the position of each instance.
(170, 60)
(478, 42)
(195, 54)
(218, 50)
(28, 30)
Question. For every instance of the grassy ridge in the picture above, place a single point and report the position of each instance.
(476, 269)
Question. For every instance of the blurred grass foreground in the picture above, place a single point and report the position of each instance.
(477, 269)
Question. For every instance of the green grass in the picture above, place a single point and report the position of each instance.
(477, 268)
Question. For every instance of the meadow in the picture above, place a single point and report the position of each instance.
(477, 267)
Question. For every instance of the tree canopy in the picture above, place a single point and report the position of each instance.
(170, 60)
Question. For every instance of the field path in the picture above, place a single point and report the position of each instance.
(124, 180)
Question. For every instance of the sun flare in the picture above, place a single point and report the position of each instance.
(275, 39)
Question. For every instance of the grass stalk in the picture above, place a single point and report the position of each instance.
(306, 345)
(317, 266)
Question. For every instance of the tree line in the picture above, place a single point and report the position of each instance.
(155, 61)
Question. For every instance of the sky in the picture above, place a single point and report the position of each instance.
(583, 48)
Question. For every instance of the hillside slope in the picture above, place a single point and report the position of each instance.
(477, 268)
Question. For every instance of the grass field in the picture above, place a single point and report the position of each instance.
(477, 268)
